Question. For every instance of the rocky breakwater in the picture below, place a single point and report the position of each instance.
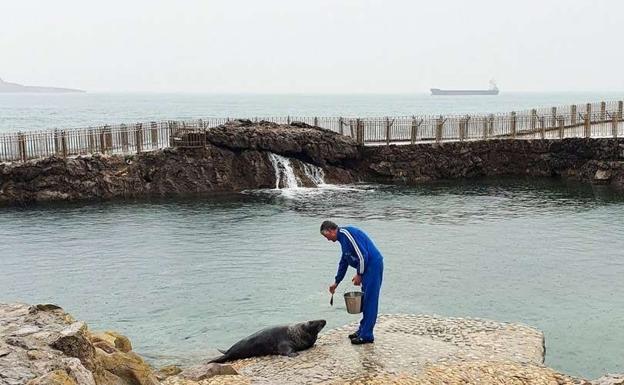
(43, 345)
(599, 161)
(412, 349)
(236, 156)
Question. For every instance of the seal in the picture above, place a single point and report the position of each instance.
(284, 340)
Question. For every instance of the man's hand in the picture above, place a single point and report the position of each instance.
(357, 280)
(332, 287)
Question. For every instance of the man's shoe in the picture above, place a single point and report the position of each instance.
(359, 341)
(353, 335)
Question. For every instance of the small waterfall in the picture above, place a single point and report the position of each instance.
(314, 173)
(286, 176)
(283, 169)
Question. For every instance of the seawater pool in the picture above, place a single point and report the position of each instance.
(184, 277)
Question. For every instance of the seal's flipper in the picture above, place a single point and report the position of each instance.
(222, 351)
(218, 360)
(285, 349)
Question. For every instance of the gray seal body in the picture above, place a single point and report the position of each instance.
(278, 340)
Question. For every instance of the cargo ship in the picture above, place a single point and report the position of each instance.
(493, 90)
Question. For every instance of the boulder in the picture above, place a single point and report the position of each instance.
(74, 342)
(129, 367)
(118, 341)
(201, 372)
(609, 379)
(167, 371)
(43, 345)
(56, 377)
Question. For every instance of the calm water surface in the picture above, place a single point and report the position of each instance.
(184, 277)
(46, 111)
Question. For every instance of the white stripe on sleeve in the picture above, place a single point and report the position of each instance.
(357, 249)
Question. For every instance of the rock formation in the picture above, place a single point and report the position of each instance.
(43, 345)
(238, 156)
(242, 162)
(589, 160)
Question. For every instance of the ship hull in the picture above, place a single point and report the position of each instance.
(437, 91)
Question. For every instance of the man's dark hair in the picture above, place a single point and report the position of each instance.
(328, 225)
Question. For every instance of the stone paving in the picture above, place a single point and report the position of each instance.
(405, 345)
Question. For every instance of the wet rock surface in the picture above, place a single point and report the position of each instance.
(238, 156)
(574, 157)
(404, 346)
(43, 345)
(235, 158)
(298, 140)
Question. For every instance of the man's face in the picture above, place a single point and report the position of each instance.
(331, 235)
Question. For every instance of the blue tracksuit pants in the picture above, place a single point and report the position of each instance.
(361, 253)
(371, 286)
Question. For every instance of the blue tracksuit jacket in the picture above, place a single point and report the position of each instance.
(360, 252)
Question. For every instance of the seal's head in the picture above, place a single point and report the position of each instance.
(314, 327)
(303, 335)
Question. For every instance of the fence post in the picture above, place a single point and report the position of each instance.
(57, 145)
(588, 120)
(439, 128)
(414, 130)
(513, 124)
(603, 111)
(340, 123)
(124, 138)
(573, 115)
(138, 138)
(315, 121)
(102, 141)
(288, 119)
(108, 136)
(154, 134)
(64, 144)
(171, 126)
(462, 129)
(485, 128)
(387, 131)
(21, 145)
(359, 132)
(561, 127)
(543, 126)
(553, 117)
(91, 140)
(620, 109)
(533, 120)
(614, 125)
(491, 125)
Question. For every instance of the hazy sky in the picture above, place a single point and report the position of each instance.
(320, 46)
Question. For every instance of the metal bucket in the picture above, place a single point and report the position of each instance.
(353, 300)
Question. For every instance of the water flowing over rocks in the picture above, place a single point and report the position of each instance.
(297, 140)
(236, 157)
(242, 155)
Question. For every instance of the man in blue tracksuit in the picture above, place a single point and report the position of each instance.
(359, 252)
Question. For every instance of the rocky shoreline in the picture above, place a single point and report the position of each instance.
(237, 156)
(43, 345)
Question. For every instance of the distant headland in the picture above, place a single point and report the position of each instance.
(6, 87)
